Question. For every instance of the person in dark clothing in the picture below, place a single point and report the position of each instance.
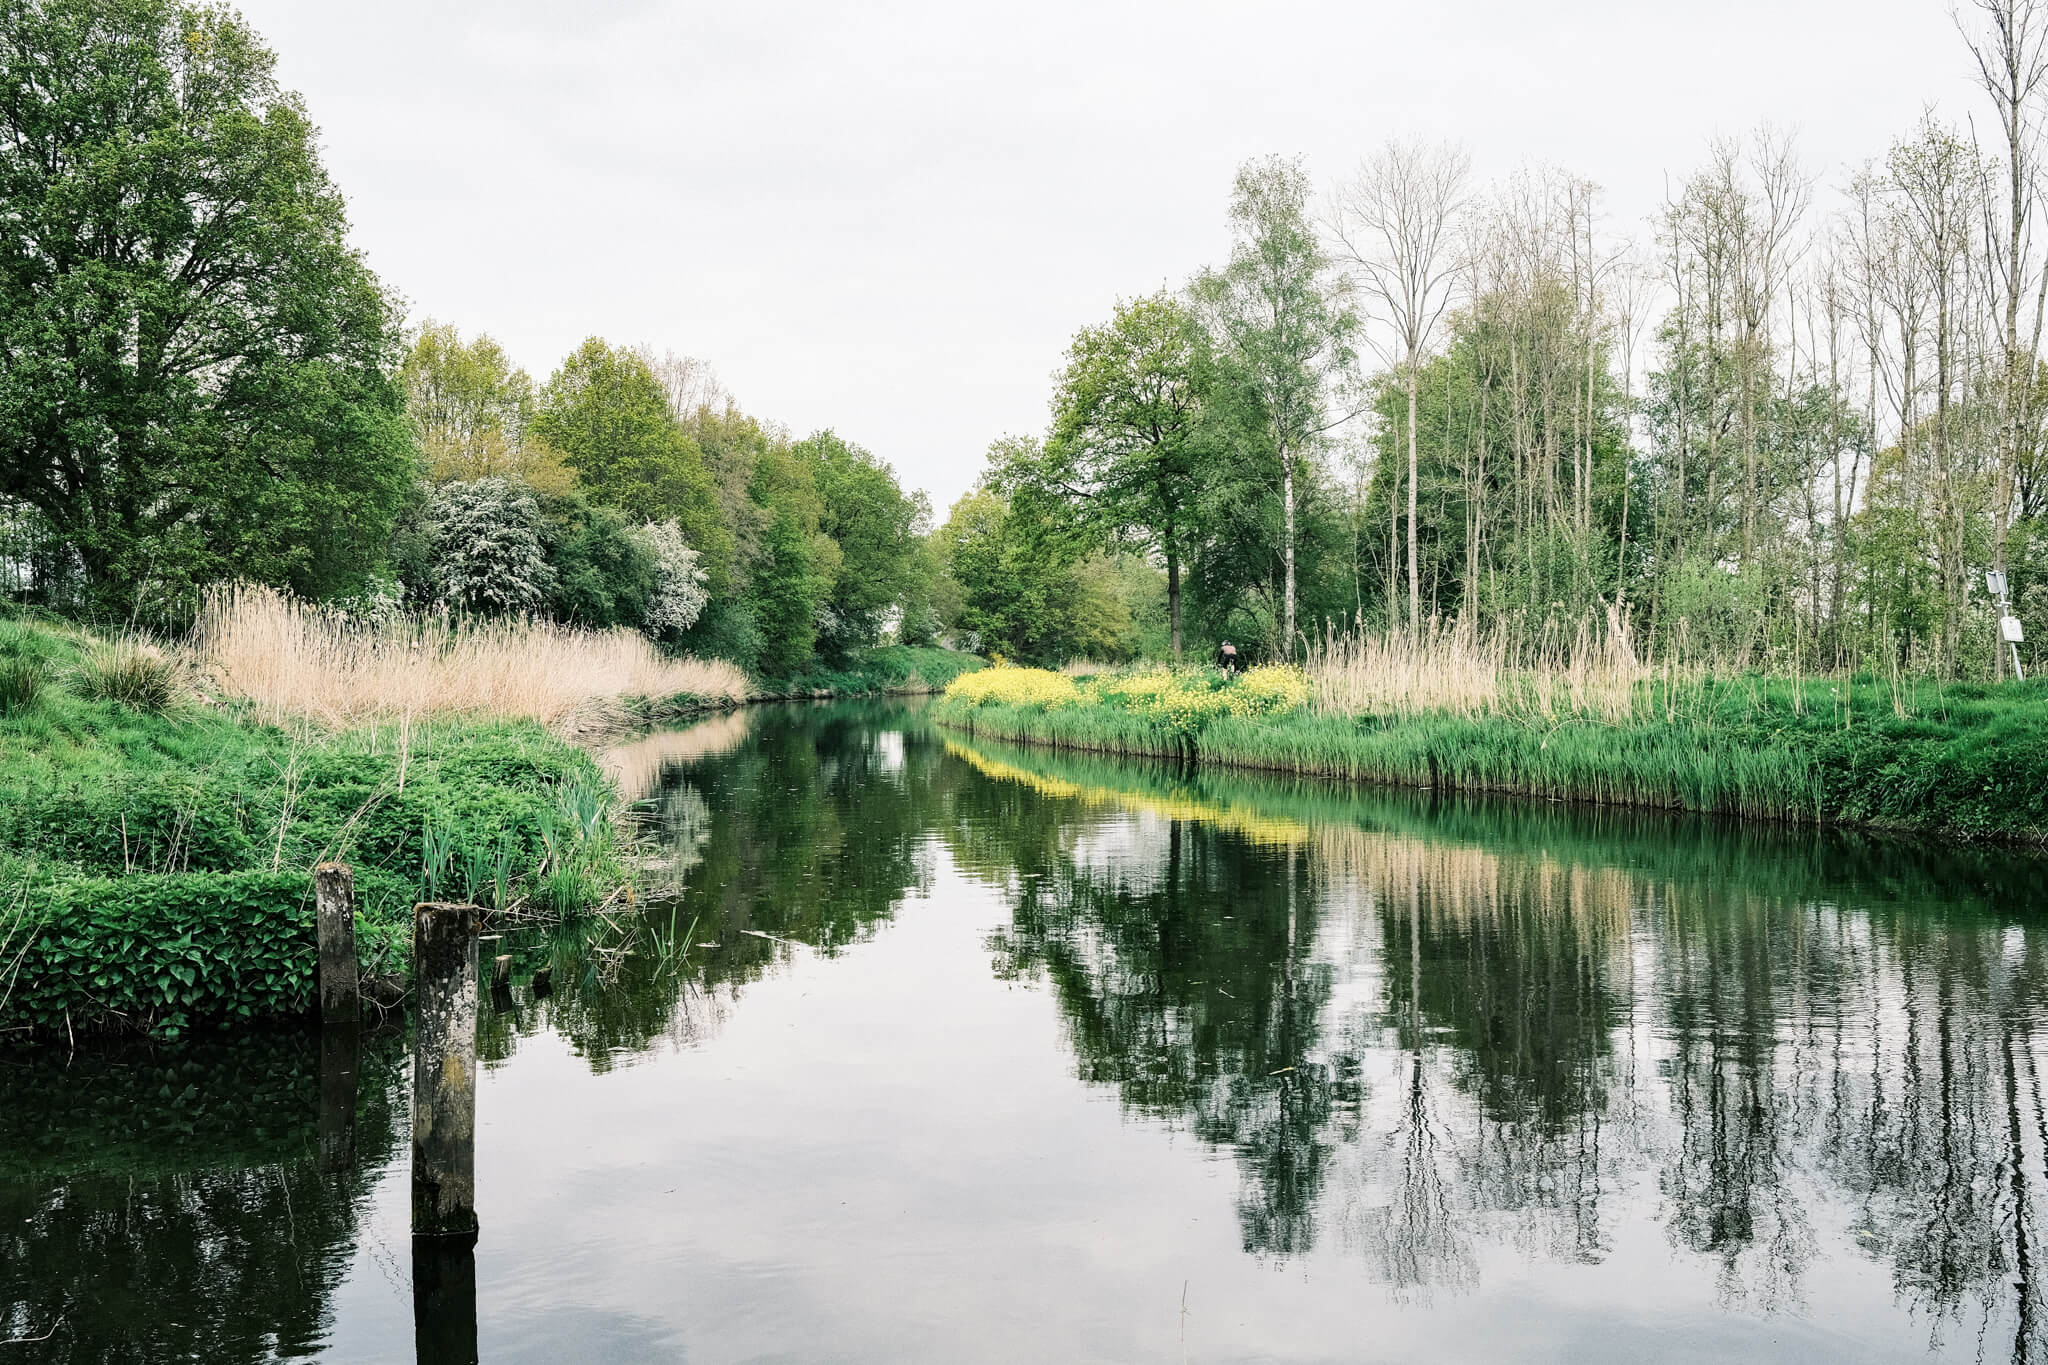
(1227, 660)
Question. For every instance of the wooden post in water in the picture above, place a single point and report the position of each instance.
(444, 1071)
(334, 899)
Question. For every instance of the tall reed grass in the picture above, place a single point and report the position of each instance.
(293, 659)
(1592, 674)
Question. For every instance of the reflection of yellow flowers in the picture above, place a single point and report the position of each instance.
(1259, 829)
(1184, 702)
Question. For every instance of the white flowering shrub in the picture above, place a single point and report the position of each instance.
(679, 595)
(487, 552)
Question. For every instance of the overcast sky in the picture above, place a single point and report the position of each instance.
(890, 219)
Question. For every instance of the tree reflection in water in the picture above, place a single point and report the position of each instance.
(1432, 1037)
(1425, 1028)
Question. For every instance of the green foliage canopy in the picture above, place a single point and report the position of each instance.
(195, 361)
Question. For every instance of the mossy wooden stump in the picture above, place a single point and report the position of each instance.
(444, 955)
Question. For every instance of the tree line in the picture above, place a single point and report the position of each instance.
(205, 381)
(1790, 424)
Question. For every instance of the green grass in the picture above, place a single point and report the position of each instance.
(1962, 760)
(91, 788)
(883, 670)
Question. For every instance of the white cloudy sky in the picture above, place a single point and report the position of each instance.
(889, 219)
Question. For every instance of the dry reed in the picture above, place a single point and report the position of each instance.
(292, 658)
(1591, 675)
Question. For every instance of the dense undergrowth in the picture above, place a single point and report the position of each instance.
(155, 860)
(884, 670)
(1967, 760)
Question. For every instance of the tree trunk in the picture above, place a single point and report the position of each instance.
(1414, 569)
(1287, 498)
(1173, 598)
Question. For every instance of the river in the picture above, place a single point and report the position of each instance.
(986, 1053)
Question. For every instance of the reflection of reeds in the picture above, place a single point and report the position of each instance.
(1466, 884)
(636, 769)
(297, 659)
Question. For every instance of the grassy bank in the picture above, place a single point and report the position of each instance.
(1962, 760)
(158, 845)
(161, 809)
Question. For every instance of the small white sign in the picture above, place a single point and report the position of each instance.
(2010, 627)
(1995, 581)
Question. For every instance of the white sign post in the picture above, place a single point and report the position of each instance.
(2008, 624)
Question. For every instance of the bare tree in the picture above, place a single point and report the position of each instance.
(1393, 223)
(691, 384)
(2011, 55)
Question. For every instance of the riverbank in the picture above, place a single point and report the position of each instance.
(1958, 760)
(884, 671)
(157, 832)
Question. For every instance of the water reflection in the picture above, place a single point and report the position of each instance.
(171, 1205)
(1437, 1045)
(1418, 1044)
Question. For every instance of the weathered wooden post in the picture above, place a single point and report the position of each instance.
(444, 1071)
(501, 970)
(334, 899)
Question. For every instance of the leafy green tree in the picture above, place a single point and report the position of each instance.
(1014, 584)
(604, 571)
(609, 416)
(876, 526)
(195, 378)
(1127, 449)
(472, 411)
(932, 598)
(1284, 328)
(792, 580)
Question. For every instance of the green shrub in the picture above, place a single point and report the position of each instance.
(21, 682)
(133, 674)
(161, 954)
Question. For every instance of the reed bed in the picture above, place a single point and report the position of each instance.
(1452, 670)
(295, 659)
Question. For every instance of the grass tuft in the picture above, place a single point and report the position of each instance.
(133, 673)
(21, 683)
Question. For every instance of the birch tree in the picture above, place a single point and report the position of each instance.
(1285, 326)
(1394, 224)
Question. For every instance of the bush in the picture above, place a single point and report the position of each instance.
(129, 672)
(21, 682)
(679, 592)
(487, 547)
(161, 954)
(604, 573)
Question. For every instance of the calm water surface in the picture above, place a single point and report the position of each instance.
(988, 1054)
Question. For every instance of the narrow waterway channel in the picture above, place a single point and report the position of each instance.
(923, 1050)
